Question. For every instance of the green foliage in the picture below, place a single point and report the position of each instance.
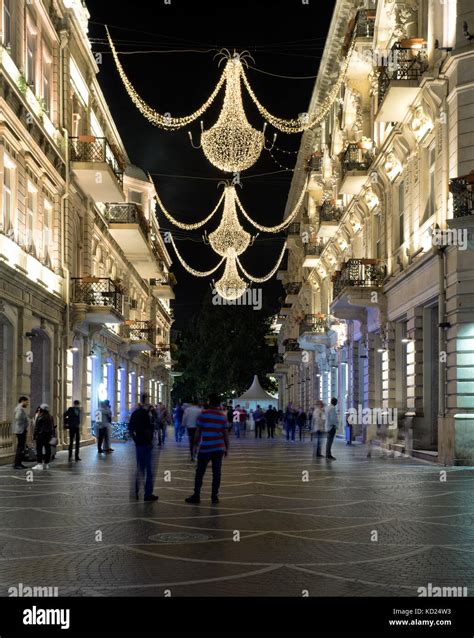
(221, 350)
(22, 84)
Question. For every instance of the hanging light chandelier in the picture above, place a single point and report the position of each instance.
(230, 286)
(232, 144)
(229, 235)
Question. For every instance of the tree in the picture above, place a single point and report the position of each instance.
(221, 349)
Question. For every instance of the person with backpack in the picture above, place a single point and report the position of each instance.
(72, 422)
(43, 433)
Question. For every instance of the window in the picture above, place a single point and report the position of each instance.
(401, 213)
(46, 79)
(378, 239)
(47, 228)
(430, 201)
(96, 128)
(136, 197)
(7, 24)
(78, 82)
(7, 196)
(31, 208)
(30, 57)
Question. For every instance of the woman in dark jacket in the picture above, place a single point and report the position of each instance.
(43, 432)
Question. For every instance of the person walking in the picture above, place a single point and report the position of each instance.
(43, 433)
(178, 422)
(72, 422)
(301, 422)
(236, 421)
(108, 428)
(243, 420)
(102, 418)
(141, 431)
(259, 418)
(212, 437)
(163, 419)
(318, 428)
(190, 418)
(20, 428)
(331, 427)
(270, 418)
(290, 422)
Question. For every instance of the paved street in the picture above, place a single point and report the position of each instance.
(294, 535)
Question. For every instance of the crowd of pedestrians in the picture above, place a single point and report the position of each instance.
(207, 427)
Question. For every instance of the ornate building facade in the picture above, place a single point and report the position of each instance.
(85, 281)
(379, 306)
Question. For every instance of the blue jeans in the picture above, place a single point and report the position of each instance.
(237, 429)
(290, 427)
(178, 431)
(144, 467)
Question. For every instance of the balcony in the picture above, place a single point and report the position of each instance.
(330, 216)
(399, 81)
(463, 195)
(140, 335)
(315, 169)
(285, 310)
(162, 288)
(293, 352)
(314, 331)
(97, 168)
(355, 165)
(361, 32)
(292, 290)
(312, 254)
(97, 300)
(283, 268)
(293, 233)
(354, 284)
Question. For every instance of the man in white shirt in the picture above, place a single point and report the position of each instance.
(332, 421)
(190, 417)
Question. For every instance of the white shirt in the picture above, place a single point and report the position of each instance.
(190, 416)
(332, 420)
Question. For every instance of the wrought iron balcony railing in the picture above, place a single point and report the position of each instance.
(463, 195)
(294, 228)
(97, 291)
(359, 273)
(330, 213)
(315, 163)
(139, 331)
(404, 64)
(364, 23)
(291, 345)
(127, 213)
(88, 148)
(356, 158)
(314, 323)
(292, 288)
(313, 250)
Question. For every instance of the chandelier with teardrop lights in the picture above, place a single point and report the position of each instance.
(230, 285)
(232, 144)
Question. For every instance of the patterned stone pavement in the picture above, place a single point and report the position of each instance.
(356, 527)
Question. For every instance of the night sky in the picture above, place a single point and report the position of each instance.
(284, 37)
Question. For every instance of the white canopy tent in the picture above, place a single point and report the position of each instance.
(254, 396)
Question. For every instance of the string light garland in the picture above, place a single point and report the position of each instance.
(261, 280)
(286, 222)
(192, 271)
(232, 144)
(163, 121)
(182, 225)
(229, 234)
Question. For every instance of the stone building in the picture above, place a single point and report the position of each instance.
(85, 281)
(379, 306)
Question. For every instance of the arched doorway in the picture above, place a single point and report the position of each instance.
(40, 369)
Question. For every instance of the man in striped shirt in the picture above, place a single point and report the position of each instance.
(212, 437)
